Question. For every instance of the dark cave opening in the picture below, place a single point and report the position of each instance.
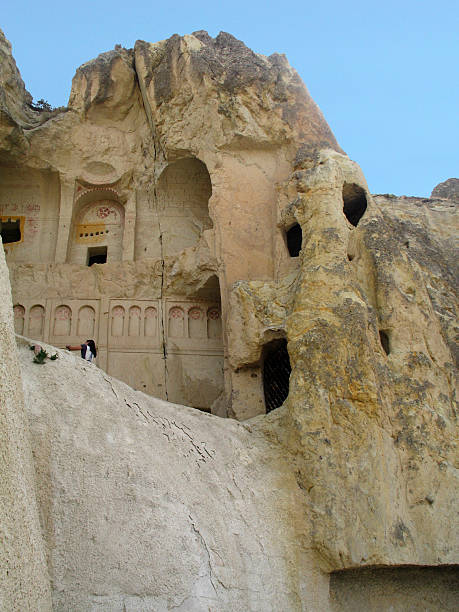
(294, 238)
(10, 230)
(276, 374)
(97, 255)
(384, 338)
(354, 203)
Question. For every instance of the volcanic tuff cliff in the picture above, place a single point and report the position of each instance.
(208, 155)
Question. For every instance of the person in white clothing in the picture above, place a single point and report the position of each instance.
(88, 350)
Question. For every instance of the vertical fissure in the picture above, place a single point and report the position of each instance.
(161, 295)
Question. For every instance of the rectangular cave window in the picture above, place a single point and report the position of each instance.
(10, 230)
(97, 255)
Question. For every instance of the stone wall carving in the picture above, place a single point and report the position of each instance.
(30, 197)
(36, 321)
(29, 319)
(139, 341)
(192, 325)
(134, 324)
(99, 223)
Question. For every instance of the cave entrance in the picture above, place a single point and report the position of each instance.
(354, 202)
(276, 374)
(10, 229)
(294, 237)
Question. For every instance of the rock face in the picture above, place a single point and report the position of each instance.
(449, 189)
(24, 576)
(370, 318)
(151, 506)
(164, 168)
(241, 266)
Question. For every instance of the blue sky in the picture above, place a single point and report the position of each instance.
(385, 74)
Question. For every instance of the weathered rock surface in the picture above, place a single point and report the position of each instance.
(147, 505)
(395, 590)
(374, 429)
(448, 189)
(192, 82)
(24, 581)
(17, 114)
(207, 155)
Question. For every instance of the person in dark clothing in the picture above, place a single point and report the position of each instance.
(88, 350)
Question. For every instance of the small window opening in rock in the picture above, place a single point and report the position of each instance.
(294, 240)
(10, 231)
(350, 257)
(384, 338)
(276, 374)
(354, 203)
(97, 255)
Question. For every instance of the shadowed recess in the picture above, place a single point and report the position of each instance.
(384, 338)
(10, 231)
(97, 255)
(294, 240)
(354, 203)
(276, 374)
(395, 589)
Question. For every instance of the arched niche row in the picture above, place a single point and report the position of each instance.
(354, 202)
(97, 233)
(294, 240)
(276, 373)
(183, 191)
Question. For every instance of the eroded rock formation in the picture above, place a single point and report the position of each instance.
(449, 190)
(192, 211)
(24, 583)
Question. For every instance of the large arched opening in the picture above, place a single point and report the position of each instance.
(97, 230)
(183, 191)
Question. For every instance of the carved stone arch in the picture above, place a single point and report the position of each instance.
(196, 322)
(134, 321)
(150, 322)
(86, 322)
(117, 316)
(97, 225)
(183, 191)
(36, 321)
(62, 320)
(19, 316)
(176, 323)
